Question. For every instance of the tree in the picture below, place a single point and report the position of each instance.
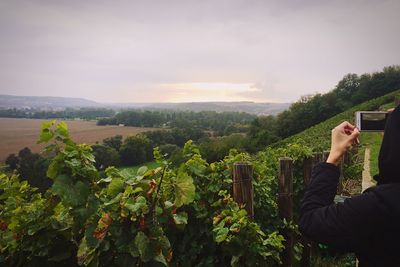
(135, 150)
(12, 161)
(105, 156)
(114, 142)
(160, 137)
(168, 149)
(33, 167)
(217, 148)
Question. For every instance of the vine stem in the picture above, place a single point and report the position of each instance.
(153, 205)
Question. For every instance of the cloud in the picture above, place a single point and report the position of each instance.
(129, 50)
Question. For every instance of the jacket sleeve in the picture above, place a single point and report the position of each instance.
(347, 225)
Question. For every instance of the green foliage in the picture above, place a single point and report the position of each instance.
(12, 161)
(219, 122)
(215, 149)
(31, 167)
(263, 131)
(156, 216)
(350, 91)
(33, 229)
(120, 219)
(242, 238)
(136, 150)
(313, 109)
(168, 149)
(267, 171)
(113, 142)
(105, 156)
(68, 113)
(184, 189)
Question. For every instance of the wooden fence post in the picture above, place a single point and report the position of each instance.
(307, 169)
(285, 205)
(347, 158)
(243, 186)
(317, 158)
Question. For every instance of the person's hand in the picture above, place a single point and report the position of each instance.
(343, 137)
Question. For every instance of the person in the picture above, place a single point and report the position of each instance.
(368, 224)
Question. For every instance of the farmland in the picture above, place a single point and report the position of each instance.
(16, 134)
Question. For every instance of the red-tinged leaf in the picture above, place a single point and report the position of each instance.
(102, 226)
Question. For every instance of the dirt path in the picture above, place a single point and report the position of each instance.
(367, 180)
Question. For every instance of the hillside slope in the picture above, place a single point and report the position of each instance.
(318, 136)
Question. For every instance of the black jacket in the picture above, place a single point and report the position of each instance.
(369, 224)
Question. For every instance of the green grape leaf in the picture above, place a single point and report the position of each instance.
(137, 205)
(104, 180)
(184, 189)
(52, 170)
(144, 246)
(222, 234)
(48, 124)
(161, 259)
(180, 218)
(114, 200)
(115, 187)
(85, 253)
(45, 136)
(142, 170)
(62, 129)
(71, 194)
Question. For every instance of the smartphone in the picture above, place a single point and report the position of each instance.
(371, 121)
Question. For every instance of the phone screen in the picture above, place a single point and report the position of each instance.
(373, 121)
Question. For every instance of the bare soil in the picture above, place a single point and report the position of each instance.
(15, 134)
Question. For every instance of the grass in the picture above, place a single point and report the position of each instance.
(132, 170)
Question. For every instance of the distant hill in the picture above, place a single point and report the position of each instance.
(244, 106)
(57, 103)
(44, 102)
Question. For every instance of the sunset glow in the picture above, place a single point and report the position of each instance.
(195, 92)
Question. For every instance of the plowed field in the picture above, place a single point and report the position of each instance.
(16, 134)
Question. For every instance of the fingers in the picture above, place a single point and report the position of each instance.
(390, 110)
(346, 126)
(353, 137)
(355, 133)
(349, 126)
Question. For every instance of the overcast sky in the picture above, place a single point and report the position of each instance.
(174, 51)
